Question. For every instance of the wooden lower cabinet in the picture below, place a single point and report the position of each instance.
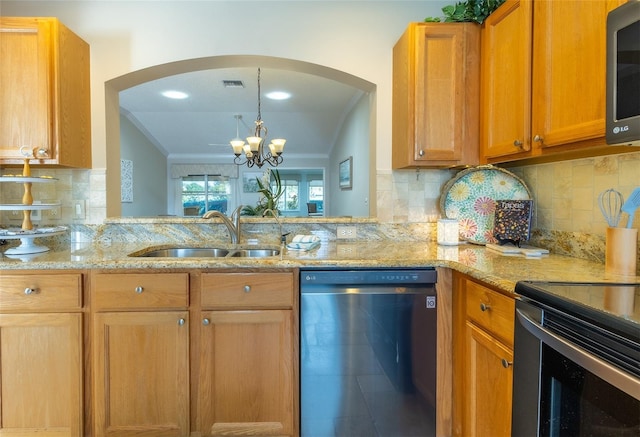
(41, 359)
(140, 354)
(141, 374)
(194, 354)
(248, 377)
(483, 320)
(246, 380)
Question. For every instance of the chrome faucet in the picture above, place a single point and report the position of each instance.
(232, 223)
(274, 214)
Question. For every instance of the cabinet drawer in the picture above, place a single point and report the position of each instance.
(140, 291)
(491, 310)
(247, 290)
(41, 292)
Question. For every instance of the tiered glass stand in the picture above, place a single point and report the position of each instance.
(26, 233)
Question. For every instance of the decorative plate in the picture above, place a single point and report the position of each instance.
(471, 198)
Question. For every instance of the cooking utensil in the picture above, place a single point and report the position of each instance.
(630, 206)
(610, 202)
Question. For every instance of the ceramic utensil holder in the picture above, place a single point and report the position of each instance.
(621, 251)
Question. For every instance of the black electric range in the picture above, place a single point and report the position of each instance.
(610, 305)
(576, 365)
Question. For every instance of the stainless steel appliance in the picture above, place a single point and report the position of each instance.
(368, 352)
(623, 74)
(576, 360)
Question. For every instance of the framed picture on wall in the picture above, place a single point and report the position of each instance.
(346, 173)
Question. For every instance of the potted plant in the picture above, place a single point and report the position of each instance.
(475, 11)
(270, 195)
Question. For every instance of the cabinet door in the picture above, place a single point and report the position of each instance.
(41, 375)
(435, 95)
(569, 71)
(141, 374)
(45, 101)
(488, 379)
(246, 373)
(24, 73)
(505, 98)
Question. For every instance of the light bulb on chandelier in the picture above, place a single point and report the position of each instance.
(255, 154)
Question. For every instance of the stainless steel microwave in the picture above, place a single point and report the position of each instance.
(623, 75)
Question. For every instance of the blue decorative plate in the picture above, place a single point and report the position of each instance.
(471, 198)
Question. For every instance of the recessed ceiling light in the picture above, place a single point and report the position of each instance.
(278, 95)
(172, 94)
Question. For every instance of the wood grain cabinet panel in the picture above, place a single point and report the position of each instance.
(51, 292)
(41, 355)
(248, 378)
(45, 98)
(436, 84)
(483, 324)
(140, 354)
(141, 291)
(543, 79)
(141, 374)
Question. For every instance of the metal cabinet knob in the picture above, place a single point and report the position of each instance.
(139, 289)
(538, 139)
(506, 363)
(29, 290)
(518, 144)
(421, 153)
(247, 288)
(485, 307)
(205, 322)
(181, 322)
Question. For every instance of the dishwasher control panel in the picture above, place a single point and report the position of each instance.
(390, 277)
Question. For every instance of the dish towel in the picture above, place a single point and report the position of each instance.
(304, 242)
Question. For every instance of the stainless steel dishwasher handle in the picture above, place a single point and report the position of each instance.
(614, 376)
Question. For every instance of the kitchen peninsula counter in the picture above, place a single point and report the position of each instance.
(474, 260)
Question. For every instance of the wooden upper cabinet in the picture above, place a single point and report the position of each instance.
(436, 95)
(505, 98)
(543, 78)
(569, 61)
(44, 93)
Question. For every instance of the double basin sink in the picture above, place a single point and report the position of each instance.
(206, 252)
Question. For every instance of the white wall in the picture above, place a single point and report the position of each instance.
(149, 173)
(355, 132)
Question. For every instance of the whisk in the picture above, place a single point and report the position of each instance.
(610, 202)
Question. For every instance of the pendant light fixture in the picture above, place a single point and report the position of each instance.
(254, 150)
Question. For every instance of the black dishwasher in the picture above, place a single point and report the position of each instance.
(368, 352)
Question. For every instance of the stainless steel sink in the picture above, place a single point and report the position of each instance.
(206, 252)
(186, 252)
(254, 253)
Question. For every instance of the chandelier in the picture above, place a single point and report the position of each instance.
(255, 152)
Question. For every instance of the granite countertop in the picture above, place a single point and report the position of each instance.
(477, 261)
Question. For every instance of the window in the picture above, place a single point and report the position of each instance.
(290, 199)
(202, 193)
(316, 193)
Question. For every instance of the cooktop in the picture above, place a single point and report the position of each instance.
(608, 304)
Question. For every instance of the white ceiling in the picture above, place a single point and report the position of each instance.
(204, 123)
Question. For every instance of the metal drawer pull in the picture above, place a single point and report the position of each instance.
(538, 139)
(181, 322)
(506, 363)
(139, 289)
(247, 288)
(484, 307)
(518, 144)
(29, 290)
(205, 322)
